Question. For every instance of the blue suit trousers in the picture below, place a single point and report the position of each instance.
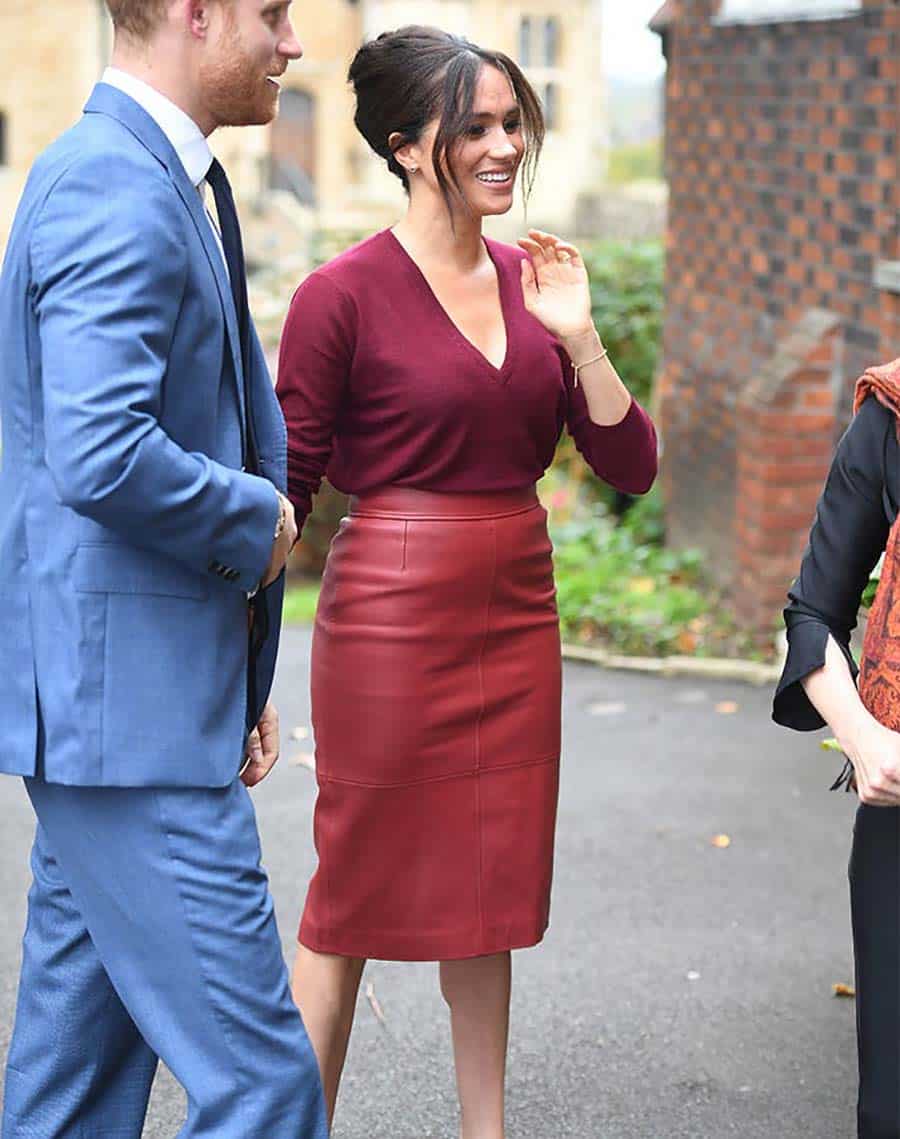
(151, 934)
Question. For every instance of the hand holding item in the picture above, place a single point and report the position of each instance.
(263, 746)
(555, 285)
(874, 751)
(285, 538)
(872, 748)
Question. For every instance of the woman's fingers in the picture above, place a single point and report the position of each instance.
(567, 252)
(547, 240)
(879, 787)
(535, 251)
(554, 249)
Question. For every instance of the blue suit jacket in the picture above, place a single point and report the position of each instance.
(128, 533)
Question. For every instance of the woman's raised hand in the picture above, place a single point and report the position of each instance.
(555, 285)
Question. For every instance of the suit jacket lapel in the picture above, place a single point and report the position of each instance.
(110, 101)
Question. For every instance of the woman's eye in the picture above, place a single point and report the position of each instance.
(513, 126)
(475, 131)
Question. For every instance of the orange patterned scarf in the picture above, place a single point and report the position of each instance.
(884, 384)
(879, 672)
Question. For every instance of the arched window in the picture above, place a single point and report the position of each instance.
(292, 163)
(525, 41)
(551, 42)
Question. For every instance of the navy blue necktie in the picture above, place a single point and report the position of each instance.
(230, 229)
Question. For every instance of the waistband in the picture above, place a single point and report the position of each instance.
(407, 502)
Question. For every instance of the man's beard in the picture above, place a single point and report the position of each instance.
(235, 92)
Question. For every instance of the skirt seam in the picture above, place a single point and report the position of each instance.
(500, 767)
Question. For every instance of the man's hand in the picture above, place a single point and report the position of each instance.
(263, 746)
(283, 544)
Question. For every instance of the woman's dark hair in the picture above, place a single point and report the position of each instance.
(406, 78)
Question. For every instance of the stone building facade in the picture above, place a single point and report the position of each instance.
(783, 277)
(48, 64)
(326, 175)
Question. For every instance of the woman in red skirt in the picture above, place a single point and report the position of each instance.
(430, 372)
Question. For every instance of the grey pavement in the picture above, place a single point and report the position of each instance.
(683, 991)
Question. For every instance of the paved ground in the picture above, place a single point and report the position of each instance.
(683, 992)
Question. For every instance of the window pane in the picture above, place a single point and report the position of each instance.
(551, 42)
(525, 41)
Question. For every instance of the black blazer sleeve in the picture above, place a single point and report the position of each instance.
(853, 518)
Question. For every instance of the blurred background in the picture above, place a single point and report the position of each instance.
(729, 168)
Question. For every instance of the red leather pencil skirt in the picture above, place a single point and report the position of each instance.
(436, 712)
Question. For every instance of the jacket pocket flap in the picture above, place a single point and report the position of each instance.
(126, 569)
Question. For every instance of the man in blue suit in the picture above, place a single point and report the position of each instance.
(143, 534)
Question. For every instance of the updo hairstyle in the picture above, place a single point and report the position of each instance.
(404, 79)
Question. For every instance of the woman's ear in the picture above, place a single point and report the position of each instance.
(406, 153)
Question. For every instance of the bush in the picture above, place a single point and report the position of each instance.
(627, 302)
(636, 162)
(617, 584)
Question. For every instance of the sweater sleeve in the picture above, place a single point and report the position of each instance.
(847, 538)
(315, 358)
(624, 454)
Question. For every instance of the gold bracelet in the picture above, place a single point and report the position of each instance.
(576, 368)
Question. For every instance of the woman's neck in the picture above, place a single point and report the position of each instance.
(428, 236)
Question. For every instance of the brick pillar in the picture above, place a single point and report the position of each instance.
(786, 422)
(887, 279)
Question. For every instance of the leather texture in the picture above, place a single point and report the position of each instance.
(436, 713)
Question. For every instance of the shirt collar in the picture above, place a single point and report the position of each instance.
(182, 132)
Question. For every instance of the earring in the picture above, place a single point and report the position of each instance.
(413, 169)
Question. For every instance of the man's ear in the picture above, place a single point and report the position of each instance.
(196, 16)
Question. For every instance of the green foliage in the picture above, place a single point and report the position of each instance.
(616, 583)
(326, 244)
(300, 602)
(636, 162)
(627, 301)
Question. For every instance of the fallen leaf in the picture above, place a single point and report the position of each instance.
(830, 745)
(376, 1005)
(643, 586)
(304, 759)
(686, 642)
(693, 975)
(300, 733)
(843, 990)
(727, 708)
(722, 841)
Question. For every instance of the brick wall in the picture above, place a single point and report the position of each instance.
(782, 158)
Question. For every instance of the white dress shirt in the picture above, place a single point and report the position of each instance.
(187, 140)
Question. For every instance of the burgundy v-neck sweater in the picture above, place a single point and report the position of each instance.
(380, 388)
